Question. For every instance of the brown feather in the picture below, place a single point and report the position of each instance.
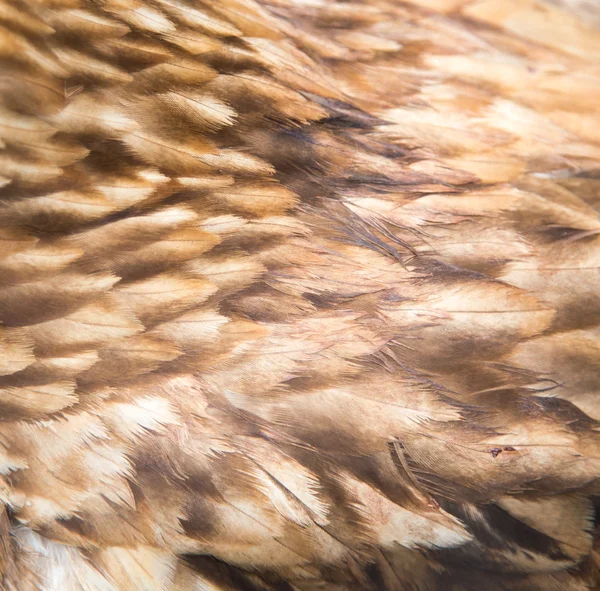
(299, 295)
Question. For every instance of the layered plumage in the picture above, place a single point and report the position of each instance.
(299, 295)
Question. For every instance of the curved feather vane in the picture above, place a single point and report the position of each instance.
(299, 295)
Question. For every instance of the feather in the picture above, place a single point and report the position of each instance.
(204, 111)
(86, 24)
(202, 19)
(299, 295)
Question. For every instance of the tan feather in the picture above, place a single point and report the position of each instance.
(299, 295)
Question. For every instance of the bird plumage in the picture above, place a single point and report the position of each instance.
(299, 295)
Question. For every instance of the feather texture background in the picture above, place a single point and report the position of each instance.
(299, 295)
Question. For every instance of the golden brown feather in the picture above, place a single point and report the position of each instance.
(299, 296)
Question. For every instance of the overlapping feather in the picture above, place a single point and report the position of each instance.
(298, 295)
